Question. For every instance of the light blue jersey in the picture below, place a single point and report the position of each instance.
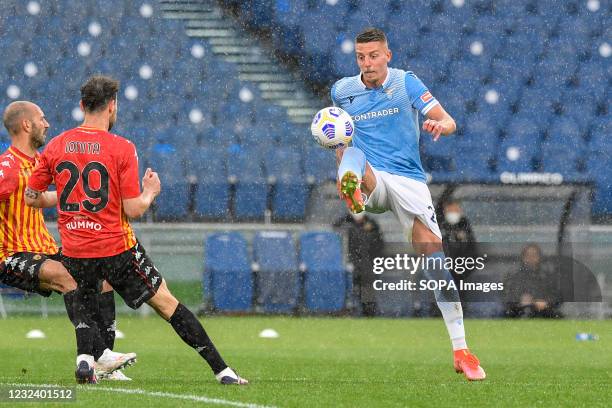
(387, 120)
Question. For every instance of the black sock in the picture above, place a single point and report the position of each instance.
(105, 318)
(187, 326)
(79, 306)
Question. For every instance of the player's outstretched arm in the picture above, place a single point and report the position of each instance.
(439, 122)
(39, 199)
(151, 187)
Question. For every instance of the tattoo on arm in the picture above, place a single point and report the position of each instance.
(33, 194)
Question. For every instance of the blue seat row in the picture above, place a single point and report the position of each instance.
(279, 277)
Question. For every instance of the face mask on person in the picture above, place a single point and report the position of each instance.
(452, 217)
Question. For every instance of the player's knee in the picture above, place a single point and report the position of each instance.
(56, 277)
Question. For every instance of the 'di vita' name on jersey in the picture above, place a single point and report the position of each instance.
(375, 114)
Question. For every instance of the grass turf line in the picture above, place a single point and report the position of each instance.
(331, 362)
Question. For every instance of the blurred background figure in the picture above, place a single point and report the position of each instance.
(457, 235)
(365, 242)
(530, 291)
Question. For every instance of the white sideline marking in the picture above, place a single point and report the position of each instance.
(139, 391)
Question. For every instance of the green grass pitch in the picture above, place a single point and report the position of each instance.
(335, 362)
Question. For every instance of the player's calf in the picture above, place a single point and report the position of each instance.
(190, 330)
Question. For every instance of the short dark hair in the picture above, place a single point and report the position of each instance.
(371, 34)
(98, 91)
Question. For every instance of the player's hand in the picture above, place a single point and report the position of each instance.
(151, 182)
(434, 127)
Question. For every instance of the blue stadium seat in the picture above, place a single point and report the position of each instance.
(598, 165)
(278, 279)
(290, 191)
(517, 153)
(325, 280)
(319, 165)
(227, 272)
(173, 201)
(207, 166)
(251, 189)
(559, 159)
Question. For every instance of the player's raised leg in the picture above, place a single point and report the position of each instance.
(425, 242)
(188, 327)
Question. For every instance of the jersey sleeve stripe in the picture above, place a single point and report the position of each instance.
(430, 105)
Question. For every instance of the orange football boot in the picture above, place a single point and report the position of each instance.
(350, 190)
(468, 364)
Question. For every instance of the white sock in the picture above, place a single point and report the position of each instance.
(452, 312)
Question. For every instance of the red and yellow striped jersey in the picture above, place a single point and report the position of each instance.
(22, 228)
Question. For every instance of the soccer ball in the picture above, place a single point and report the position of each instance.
(332, 128)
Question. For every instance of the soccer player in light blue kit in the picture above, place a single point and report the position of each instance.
(384, 163)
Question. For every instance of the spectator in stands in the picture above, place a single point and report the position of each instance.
(457, 235)
(365, 244)
(530, 291)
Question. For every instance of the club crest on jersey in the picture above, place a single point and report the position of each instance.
(389, 92)
(426, 97)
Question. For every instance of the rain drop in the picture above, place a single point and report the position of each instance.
(95, 29)
(146, 10)
(245, 95)
(513, 153)
(593, 5)
(77, 114)
(196, 116)
(145, 72)
(605, 50)
(84, 49)
(476, 48)
(492, 96)
(197, 51)
(131, 92)
(13, 91)
(347, 46)
(30, 69)
(33, 8)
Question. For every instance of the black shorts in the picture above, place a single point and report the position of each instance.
(131, 274)
(21, 271)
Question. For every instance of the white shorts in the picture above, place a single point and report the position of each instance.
(406, 198)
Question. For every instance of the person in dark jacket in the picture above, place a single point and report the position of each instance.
(365, 242)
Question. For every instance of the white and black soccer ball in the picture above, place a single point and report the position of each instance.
(332, 128)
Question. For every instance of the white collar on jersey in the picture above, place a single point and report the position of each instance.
(384, 84)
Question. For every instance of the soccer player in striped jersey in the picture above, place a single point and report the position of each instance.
(29, 256)
(384, 163)
(96, 176)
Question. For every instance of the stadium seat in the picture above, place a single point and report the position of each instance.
(325, 276)
(173, 201)
(277, 275)
(227, 272)
(251, 190)
(207, 168)
(290, 190)
(319, 165)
